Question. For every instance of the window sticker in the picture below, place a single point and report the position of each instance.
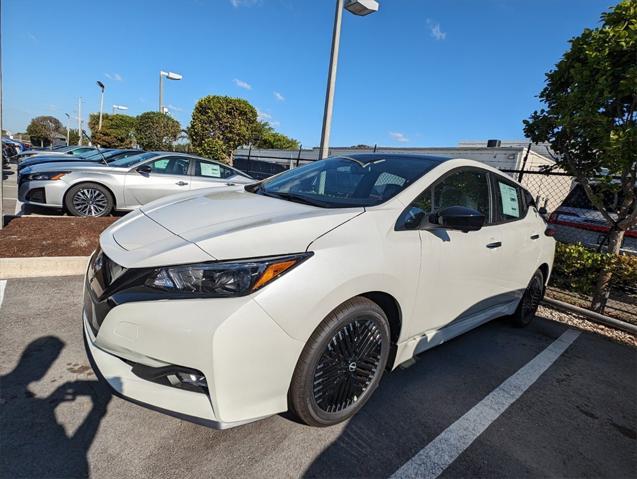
(210, 169)
(509, 198)
(160, 164)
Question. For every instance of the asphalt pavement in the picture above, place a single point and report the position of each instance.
(578, 419)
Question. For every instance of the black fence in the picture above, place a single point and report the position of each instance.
(580, 229)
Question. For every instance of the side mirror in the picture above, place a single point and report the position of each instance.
(144, 169)
(458, 218)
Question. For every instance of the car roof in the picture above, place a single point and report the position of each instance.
(367, 157)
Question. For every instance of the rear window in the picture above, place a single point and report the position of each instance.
(577, 198)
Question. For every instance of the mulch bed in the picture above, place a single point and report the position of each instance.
(40, 236)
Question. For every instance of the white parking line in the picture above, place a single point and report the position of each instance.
(3, 283)
(431, 461)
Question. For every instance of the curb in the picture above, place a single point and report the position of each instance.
(11, 268)
(591, 315)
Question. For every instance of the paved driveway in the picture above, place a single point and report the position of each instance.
(577, 419)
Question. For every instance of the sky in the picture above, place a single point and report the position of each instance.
(416, 73)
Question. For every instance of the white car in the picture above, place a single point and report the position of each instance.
(226, 305)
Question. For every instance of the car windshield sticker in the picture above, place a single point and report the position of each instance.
(210, 169)
(509, 197)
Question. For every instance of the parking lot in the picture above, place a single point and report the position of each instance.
(10, 189)
(578, 419)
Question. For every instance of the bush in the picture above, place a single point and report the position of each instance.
(576, 268)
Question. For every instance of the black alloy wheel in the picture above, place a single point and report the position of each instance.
(341, 364)
(530, 301)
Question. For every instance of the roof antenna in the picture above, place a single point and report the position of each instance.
(96, 147)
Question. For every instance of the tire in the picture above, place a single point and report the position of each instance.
(533, 294)
(352, 344)
(89, 199)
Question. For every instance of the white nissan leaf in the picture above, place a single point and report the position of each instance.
(226, 305)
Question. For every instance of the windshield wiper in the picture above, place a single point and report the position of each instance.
(291, 197)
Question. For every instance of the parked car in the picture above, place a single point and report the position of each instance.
(95, 189)
(576, 220)
(66, 150)
(97, 156)
(228, 305)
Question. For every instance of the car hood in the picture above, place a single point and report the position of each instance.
(36, 160)
(226, 223)
(70, 166)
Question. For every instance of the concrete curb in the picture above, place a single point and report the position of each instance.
(11, 268)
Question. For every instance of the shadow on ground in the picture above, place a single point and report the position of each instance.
(32, 441)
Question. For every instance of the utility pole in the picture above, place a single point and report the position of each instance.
(79, 121)
(1, 154)
(68, 131)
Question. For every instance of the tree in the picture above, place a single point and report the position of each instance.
(590, 121)
(74, 136)
(117, 130)
(264, 136)
(43, 128)
(156, 131)
(220, 124)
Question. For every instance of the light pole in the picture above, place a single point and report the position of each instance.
(79, 121)
(170, 76)
(101, 85)
(357, 7)
(68, 135)
(119, 107)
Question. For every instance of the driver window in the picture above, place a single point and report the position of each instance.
(170, 166)
(467, 187)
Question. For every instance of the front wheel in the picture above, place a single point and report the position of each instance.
(530, 301)
(89, 199)
(341, 364)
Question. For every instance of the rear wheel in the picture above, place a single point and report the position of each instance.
(89, 199)
(530, 301)
(341, 364)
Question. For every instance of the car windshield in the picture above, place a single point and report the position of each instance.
(63, 148)
(343, 182)
(95, 154)
(577, 198)
(133, 160)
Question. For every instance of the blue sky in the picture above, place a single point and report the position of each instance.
(417, 73)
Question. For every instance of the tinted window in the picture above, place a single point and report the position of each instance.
(362, 180)
(212, 170)
(170, 165)
(79, 151)
(577, 198)
(467, 187)
(133, 160)
(509, 200)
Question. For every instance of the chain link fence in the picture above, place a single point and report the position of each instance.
(579, 228)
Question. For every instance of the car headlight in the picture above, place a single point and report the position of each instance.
(223, 279)
(50, 175)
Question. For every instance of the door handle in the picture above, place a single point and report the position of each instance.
(181, 183)
(495, 244)
(534, 237)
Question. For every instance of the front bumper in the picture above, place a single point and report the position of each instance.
(53, 192)
(246, 358)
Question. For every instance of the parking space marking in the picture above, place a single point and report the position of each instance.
(431, 461)
(3, 283)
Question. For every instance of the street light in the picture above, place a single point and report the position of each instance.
(101, 85)
(119, 107)
(170, 76)
(68, 121)
(357, 7)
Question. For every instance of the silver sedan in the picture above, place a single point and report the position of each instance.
(94, 189)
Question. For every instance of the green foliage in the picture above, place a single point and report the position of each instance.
(220, 124)
(156, 131)
(74, 137)
(576, 268)
(117, 130)
(264, 136)
(590, 117)
(42, 129)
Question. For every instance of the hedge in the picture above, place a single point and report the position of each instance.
(576, 268)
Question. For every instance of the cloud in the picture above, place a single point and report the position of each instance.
(242, 84)
(278, 96)
(174, 108)
(244, 3)
(397, 136)
(114, 76)
(32, 37)
(435, 30)
(263, 116)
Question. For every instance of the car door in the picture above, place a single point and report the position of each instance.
(208, 174)
(164, 176)
(522, 228)
(462, 273)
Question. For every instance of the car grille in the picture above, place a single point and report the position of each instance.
(101, 273)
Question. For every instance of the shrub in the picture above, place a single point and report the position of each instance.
(576, 268)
